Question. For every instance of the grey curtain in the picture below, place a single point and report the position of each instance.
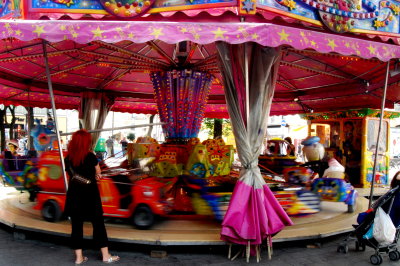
(93, 112)
(249, 69)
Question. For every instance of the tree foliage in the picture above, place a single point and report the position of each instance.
(131, 136)
(11, 108)
(208, 125)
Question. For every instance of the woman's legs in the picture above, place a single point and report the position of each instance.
(79, 258)
(101, 240)
(107, 257)
(99, 232)
(77, 238)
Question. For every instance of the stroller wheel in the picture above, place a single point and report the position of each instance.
(343, 249)
(394, 255)
(376, 259)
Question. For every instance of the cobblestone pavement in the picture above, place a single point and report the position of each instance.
(40, 249)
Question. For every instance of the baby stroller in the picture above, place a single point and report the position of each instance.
(366, 220)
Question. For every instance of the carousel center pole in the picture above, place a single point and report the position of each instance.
(53, 107)
(371, 194)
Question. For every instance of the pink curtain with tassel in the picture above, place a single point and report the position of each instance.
(254, 214)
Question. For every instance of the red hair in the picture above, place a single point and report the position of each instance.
(79, 146)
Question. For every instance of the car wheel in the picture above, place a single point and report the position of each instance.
(51, 211)
(143, 217)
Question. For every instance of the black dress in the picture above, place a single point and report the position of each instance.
(83, 203)
(83, 200)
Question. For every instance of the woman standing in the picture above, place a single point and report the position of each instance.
(395, 211)
(83, 201)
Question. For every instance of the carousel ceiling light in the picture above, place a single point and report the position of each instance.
(296, 99)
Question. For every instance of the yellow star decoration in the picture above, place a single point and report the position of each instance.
(313, 43)
(396, 9)
(291, 4)
(371, 49)
(39, 30)
(18, 32)
(219, 33)
(196, 36)
(283, 35)
(130, 35)
(157, 32)
(62, 27)
(69, 3)
(332, 44)
(302, 34)
(7, 25)
(347, 45)
(379, 24)
(74, 35)
(97, 32)
(183, 30)
(254, 36)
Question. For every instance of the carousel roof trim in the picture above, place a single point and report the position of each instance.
(266, 34)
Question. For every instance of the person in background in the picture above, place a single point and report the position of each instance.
(124, 145)
(291, 149)
(23, 145)
(83, 202)
(10, 155)
(395, 211)
(12, 146)
(110, 146)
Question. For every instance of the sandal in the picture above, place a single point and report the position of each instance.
(111, 259)
(85, 259)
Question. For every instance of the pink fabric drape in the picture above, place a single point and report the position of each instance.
(253, 214)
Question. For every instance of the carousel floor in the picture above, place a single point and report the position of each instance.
(17, 212)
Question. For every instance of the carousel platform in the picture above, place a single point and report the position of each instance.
(17, 212)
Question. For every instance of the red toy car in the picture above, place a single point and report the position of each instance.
(140, 201)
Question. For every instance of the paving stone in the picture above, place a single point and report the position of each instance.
(34, 251)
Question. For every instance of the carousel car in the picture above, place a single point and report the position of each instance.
(139, 201)
(275, 157)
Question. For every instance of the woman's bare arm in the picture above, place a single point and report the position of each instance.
(98, 172)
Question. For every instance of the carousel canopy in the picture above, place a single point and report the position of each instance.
(117, 58)
(334, 57)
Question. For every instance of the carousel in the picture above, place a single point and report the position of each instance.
(186, 60)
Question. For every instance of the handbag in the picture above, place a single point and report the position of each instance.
(77, 178)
